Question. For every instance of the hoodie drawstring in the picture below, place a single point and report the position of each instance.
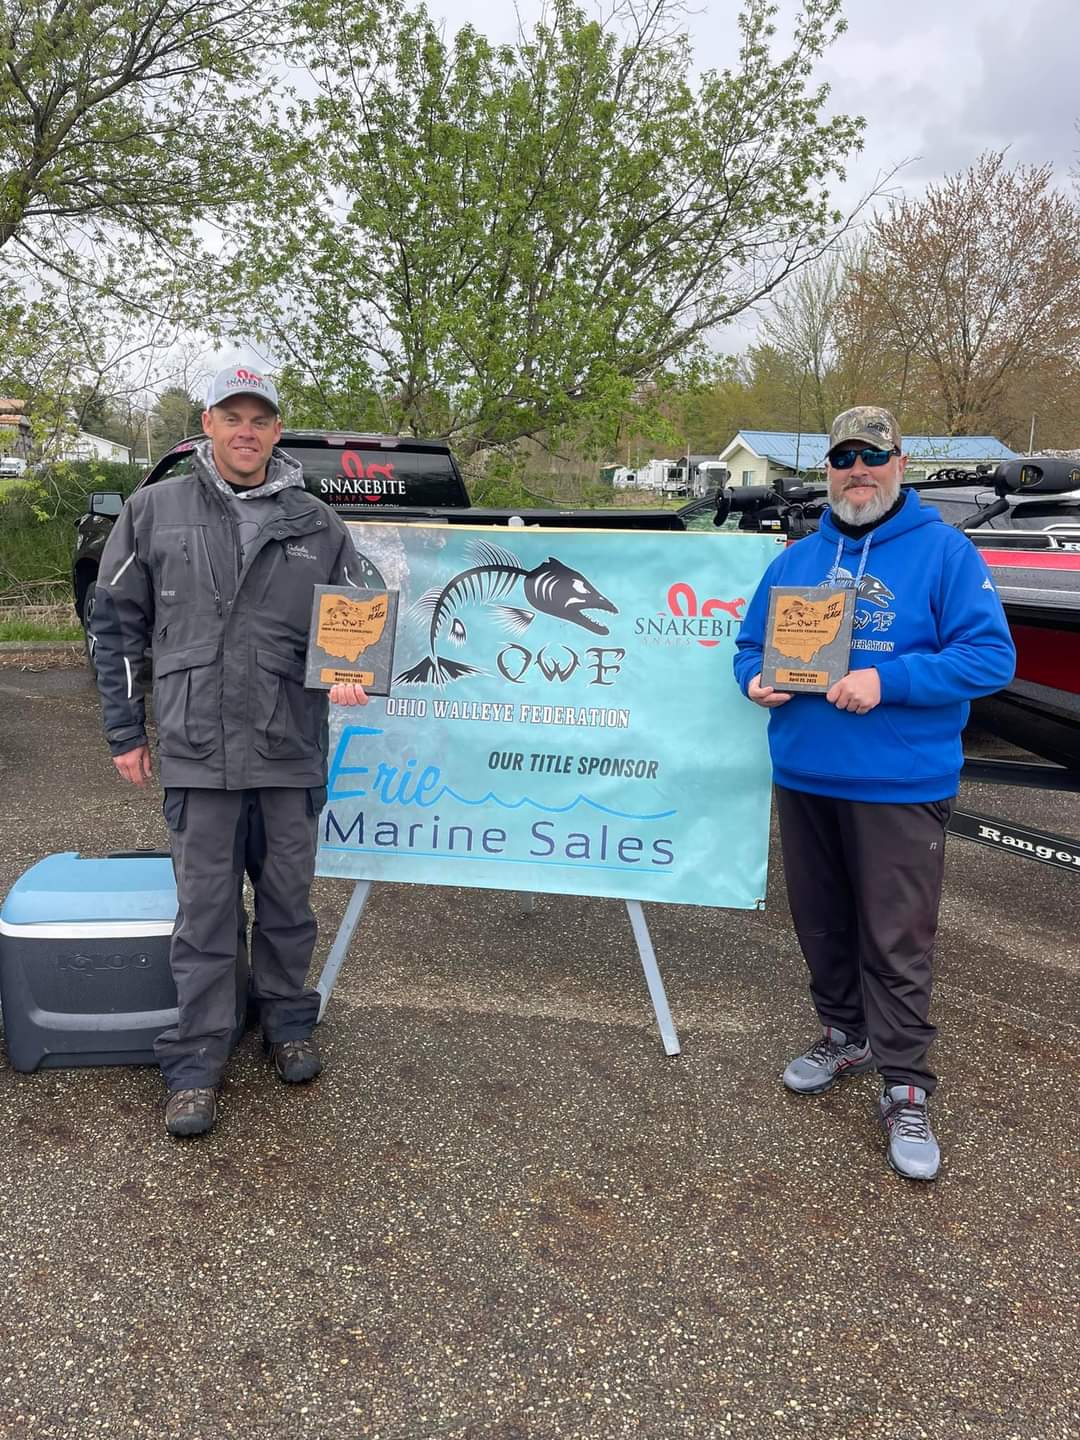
(831, 578)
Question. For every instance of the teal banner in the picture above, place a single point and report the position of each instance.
(562, 718)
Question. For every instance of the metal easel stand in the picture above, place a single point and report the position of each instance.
(355, 908)
(652, 978)
(340, 948)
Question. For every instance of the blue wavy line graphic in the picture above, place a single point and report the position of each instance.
(579, 799)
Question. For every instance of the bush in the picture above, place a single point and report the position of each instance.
(37, 523)
(67, 485)
(508, 488)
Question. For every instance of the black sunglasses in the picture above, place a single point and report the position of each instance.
(845, 459)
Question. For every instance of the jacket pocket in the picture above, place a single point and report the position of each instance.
(186, 702)
(287, 716)
(183, 568)
(174, 808)
(890, 743)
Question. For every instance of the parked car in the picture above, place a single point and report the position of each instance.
(363, 477)
(12, 467)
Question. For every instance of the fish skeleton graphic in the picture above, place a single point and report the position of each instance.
(870, 588)
(552, 588)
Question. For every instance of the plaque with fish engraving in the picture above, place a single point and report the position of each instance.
(352, 638)
(807, 638)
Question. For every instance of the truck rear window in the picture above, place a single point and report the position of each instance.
(351, 477)
(356, 476)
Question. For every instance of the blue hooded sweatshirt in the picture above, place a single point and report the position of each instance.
(928, 618)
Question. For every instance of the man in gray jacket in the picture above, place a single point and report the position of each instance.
(216, 570)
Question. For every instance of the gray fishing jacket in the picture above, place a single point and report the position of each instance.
(228, 628)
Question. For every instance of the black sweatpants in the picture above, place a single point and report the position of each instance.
(217, 836)
(864, 885)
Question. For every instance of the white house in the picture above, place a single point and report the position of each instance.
(85, 446)
(761, 457)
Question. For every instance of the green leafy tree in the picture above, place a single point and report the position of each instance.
(175, 415)
(94, 410)
(120, 124)
(39, 365)
(79, 363)
(775, 391)
(506, 241)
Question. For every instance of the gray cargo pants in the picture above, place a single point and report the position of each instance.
(216, 836)
(864, 886)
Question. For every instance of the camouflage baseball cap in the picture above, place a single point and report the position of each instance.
(869, 424)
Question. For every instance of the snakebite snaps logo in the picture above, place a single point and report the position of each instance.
(550, 588)
(690, 621)
(362, 478)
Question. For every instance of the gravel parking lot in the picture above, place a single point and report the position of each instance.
(502, 1212)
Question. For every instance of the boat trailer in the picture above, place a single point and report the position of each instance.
(1041, 846)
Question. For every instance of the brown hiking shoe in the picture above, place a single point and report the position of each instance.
(296, 1061)
(190, 1112)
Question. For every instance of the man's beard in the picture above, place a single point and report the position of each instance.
(880, 503)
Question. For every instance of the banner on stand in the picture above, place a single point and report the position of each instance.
(562, 718)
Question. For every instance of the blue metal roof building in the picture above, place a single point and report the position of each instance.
(807, 451)
(756, 457)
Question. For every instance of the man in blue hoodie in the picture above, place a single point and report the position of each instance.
(866, 774)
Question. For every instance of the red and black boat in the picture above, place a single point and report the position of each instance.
(1025, 520)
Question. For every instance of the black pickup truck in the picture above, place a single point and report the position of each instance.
(364, 477)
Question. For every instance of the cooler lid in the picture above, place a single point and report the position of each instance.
(73, 889)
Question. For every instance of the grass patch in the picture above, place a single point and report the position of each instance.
(52, 622)
(34, 630)
(41, 630)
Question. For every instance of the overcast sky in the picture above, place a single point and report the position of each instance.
(938, 82)
(938, 79)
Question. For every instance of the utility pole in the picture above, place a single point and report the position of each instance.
(798, 424)
(1031, 437)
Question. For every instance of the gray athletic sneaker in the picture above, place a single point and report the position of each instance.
(913, 1151)
(830, 1060)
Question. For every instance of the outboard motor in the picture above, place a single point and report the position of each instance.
(793, 510)
(1037, 475)
(1027, 475)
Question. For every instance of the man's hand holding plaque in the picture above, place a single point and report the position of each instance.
(766, 695)
(859, 690)
(348, 694)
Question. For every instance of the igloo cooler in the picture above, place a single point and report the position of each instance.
(84, 961)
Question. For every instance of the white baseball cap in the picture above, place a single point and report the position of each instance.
(239, 380)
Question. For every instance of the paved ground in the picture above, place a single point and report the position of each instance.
(503, 1213)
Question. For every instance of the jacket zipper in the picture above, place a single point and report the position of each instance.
(210, 566)
(238, 556)
(213, 576)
